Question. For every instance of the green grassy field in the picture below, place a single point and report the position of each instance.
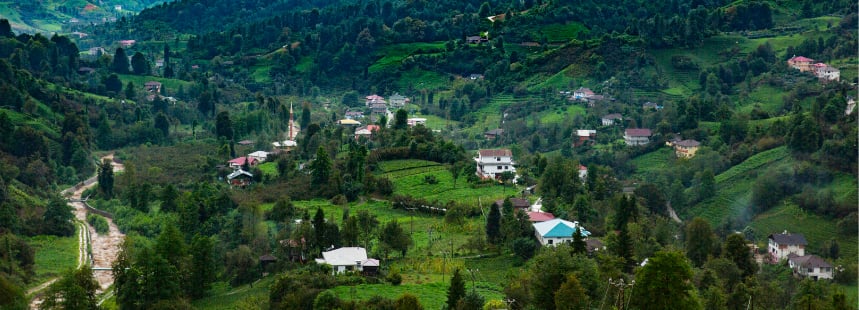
(653, 162)
(733, 194)
(766, 98)
(393, 55)
(223, 297)
(54, 255)
(560, 114)
(268, 168)
(431, 295)
(816, 229)
(411, 182)
(421, 79)
(563, 32)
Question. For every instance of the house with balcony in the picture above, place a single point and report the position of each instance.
(779, 246)
(810, 266)
(636, 136)
(492, 163)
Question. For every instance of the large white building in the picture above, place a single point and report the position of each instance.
(347, 259)
(636, 136)
(557, 231)
(810, 266)
(781, 245)
(492, 163)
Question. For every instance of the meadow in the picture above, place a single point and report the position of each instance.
(54, 255)
(817, 229)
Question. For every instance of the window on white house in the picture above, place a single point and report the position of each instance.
(497, 158)
(550, 241)
(810, 269)
(499, 167)
(505, 168)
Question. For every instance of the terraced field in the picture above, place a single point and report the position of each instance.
(816, 229)
(733, 186)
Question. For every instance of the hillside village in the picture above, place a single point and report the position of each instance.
(429, 155)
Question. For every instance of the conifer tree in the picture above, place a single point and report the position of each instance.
(120, 62)
(456, 290)
(493, 225)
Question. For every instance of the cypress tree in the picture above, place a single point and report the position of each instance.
(493, 225)
(120, 62)
(456, 290)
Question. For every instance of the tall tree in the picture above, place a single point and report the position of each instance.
(319, 227)
(320, 168)
(401, 119)
(579, 245)
(699, 241)
(224, 126)
(493, 225)
(162, 124)
(203, 266)
(665, 283)
(571, 295)
(168, 68)
(456, 290)
(169, 195)
(105, 178)
(75, 290)
(393, 237)
(139, 64)
(120, 62)
(305, 115)
(736, 250)
(58, 218)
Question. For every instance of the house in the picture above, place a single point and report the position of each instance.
(826, 72)
(583, 136)
(539, 217)
(685, 148)
(79, 34)
(611, 119)
(152, 86)
(260, 156)
(475, 76)
(557, 231)
(240, 178)
(372, 99)
(416, 121)
(780, 245)
(238, 163)
(126, 43)
(518, 203)
(245, 142)
(583, 93)
(800, 63)
(366, 131)
(475, 40)
(851, 105)
(636, 136)
(491, 163)
(348, 259)
(397, 101)
(583, 173)
(494, 133)
(651, 106)
(96, 51)
(348, 122)
(810, 266)
(354, 114)
(379, 108)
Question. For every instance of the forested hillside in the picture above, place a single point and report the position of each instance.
(255, 136)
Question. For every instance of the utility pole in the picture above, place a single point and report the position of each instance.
(621, 285)
(472, 271)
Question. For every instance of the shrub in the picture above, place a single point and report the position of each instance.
(384, 186)
(430, 179)
(395, 278)
(99, 223)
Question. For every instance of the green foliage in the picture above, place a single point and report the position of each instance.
(665, 283)
(98, 222)
(58, 218)
(736, 250)
(456, 291)
(11, 296)
(493, 225)
(105, 179)
(700, 241)
(75, 290)
(546, 272)
(571, 295)
(120, 62)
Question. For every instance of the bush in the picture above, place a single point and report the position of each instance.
(430, 179)
(384, 186)
(339, 200)
(394, 278)
(99, 223)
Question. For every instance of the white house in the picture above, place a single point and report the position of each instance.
(636, 136)
(810, 266)
(610, 119)
(583, 93)
(557, 231)
(826, 72)
(347, 259)
(416, 121)
(491, 163)
(780, 245)
(397, 101)
(260, 156)
(583, 173)
(851, 105)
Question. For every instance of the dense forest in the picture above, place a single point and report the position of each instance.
(180, 91)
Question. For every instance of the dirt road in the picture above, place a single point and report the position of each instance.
(105, 247)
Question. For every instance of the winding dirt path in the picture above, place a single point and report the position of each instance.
(105, 247)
